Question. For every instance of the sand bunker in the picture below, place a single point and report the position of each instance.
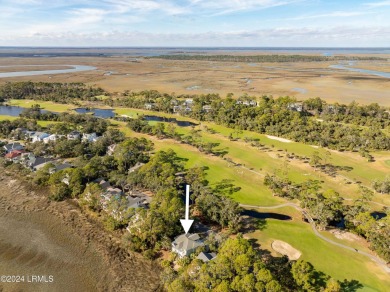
(279, 139)
(285, 249)
(340, 234)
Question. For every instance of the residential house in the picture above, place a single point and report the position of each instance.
(206, 256)
(92, 137)
(39, 136)
(74, 135)
(19, 133)
(188, 102)
(104, 185)
(247, 102)
(296, 106)
(176, 108)
(186, 244)
(35, 163)
(60, 166)
(66, 179)
(136, 167)
(52, 137)
(12, 147)
(111, 149)
(174, 102)
(109, 193)
(138, 199)
(138, 202)
(150, 106)
(14, 155)
(207, 108)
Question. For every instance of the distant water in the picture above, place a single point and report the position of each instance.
(365, 71)
(156, 51)
(100, 113)
(76, 68)
(15, 111)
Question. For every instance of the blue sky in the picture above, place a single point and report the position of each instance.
(300, 23)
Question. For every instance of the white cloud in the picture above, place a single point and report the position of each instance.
(145, 6)
(332, 14)
(218, 7)
(308, 36)
(378, 4)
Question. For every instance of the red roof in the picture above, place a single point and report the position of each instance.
(14, 154)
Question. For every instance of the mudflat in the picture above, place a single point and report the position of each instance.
(300, 79)
(43, 238)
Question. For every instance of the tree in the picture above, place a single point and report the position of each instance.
(332, 286)
(159, 130)
(91, 197)
(76, 181)
(303, 273)
(273, 286)
(315, 159)
(42, 176)
(131, 151)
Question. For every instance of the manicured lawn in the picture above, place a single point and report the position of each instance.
(268, 162)
(47, 105)
(10, 118)
(252, 190)
(335, 261)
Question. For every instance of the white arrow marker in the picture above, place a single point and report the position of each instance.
(186, 223)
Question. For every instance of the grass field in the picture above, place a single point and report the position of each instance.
(274, 159)
(47, 105)
(335, 261)
(218, 170)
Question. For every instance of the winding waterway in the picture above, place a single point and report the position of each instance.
(76, 68)
(365, 71)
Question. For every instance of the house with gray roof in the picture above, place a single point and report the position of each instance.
(206, 256)
(60, 166)
(35, 163)
(186, 244)
(13, 147)
(74, 135)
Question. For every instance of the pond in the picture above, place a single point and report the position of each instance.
(378, 215)
(99, 113)
(14, 111)
(76, 68)
(266, 215)
(169, 120)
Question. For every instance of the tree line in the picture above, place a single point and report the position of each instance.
(275, 116)
(274, 58)
(49, 91)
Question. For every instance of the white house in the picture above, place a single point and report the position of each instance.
(92, 137)
(39, 136)
(74, 135)
(186, 244)
(111, 149)
(52, 137)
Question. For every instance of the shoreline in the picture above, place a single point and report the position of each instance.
(40, 237)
